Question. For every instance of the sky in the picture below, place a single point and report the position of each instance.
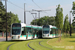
(17, 7)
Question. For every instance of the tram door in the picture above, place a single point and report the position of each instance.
(40, 34)
(33, 33)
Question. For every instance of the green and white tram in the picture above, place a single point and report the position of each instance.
(54, 31)
(21, 31)
(49, 31)
(18, 31)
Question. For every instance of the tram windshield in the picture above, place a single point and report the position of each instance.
(16, 28)
(46, 26)
(45, 32)
(46, 29)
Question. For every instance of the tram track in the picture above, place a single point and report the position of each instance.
(39, 42)
(44, 46)
(30, 46)
(9, 46)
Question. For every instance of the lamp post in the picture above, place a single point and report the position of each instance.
(6, 18)
(24, 14)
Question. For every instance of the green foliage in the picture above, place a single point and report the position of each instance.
(2, 17)
(46, 20)
(73, 13)
(73, 24)
(11, 18)
(66, 27)
(73, 8)
(59, 17)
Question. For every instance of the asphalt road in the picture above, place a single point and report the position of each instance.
(4, 39)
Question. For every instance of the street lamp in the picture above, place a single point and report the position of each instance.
(6, 18)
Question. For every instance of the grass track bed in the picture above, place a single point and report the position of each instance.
(9, 46)
(20, 46)
(50, 43)
(23, 45)
(30, 46)
(4, 45)
(44, 43)
(36, 46)
(44, 46)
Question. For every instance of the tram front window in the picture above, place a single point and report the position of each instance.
(45, 32)
(16, 29)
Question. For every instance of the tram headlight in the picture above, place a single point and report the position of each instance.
(18, 36)
(48, 35)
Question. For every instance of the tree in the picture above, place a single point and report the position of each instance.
(59, 20)
(11, 18)
(73, 13)
(73, 23)
(65, 23)
(66, 27)
(46, 20)
(2, 17)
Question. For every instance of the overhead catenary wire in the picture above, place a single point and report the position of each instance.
(23, 8)
(39, 7)
(15, 5)
(32, 14)
(19, 7)
(36, 4)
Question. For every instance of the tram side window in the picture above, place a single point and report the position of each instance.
(23, 31)
(52, 31)
(28, 30)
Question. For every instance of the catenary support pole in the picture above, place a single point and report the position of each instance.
(6, 18)
(24, 14)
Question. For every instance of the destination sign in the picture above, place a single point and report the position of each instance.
(16, 27)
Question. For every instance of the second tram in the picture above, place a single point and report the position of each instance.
(49, 31)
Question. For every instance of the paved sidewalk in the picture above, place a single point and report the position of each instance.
(4, 38)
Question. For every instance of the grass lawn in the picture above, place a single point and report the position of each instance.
(4, 45)
(22, 45)
(36, 46)
(66, 43)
